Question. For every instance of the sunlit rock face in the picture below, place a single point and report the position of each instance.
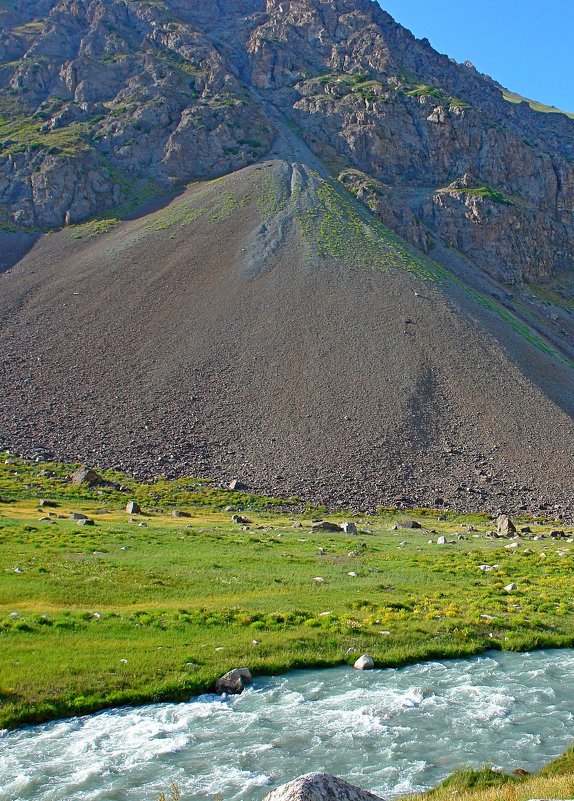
(107, 102)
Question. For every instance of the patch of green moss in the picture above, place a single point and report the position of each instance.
(427, 90)
(272, 194)
(488, 193)
(92, 228)
(208, 201)
(512, 97)
(360, 84)
(339, 227)
(19, 135)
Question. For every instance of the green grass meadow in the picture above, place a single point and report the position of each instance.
(120, 613)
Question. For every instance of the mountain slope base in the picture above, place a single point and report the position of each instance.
(261, 326)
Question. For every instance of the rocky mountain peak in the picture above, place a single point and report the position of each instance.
(104, 103)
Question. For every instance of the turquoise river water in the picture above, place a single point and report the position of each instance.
(388, 731)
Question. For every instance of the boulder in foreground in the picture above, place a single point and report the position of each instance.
(320, 787)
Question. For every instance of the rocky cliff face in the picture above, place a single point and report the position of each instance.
(104, 103)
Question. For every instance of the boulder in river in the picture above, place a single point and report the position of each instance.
(234, 682)
(320, 787)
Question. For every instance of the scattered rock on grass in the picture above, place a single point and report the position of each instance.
(133, 508)
(85, 475)
(238, 486)
(325, 525)
(409, 524)
(504, 526)
(511, 587)
(240, 520)
(349, 528)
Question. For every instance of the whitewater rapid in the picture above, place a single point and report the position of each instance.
(389, 731)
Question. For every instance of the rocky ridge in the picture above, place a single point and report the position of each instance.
(104, 103)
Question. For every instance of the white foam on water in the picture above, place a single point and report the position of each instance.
(390, 731)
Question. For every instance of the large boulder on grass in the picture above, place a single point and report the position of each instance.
(504, 526)
(320, 787)
(87, 476)
(325, 525)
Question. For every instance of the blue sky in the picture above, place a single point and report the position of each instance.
(525, 45)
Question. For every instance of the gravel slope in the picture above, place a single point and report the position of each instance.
(211, 338)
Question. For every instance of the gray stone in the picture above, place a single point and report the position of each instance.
(78, 516)
(240, 520)
(325, 525)
(504, 526)
(365, 662)
(409, 524)
(234, 682)
(85, 475)
(179, 513)
(86, 522)
(133, 508)
(238, 486)
(441, 541)
(349, 528)
(511, 587)
(320, 787)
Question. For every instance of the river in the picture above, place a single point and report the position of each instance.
(388, 731)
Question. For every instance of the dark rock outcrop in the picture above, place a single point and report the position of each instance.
(110, 101)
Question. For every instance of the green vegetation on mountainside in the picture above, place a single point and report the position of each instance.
(535, 105)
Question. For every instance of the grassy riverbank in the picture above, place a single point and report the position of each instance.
(555, 780)
(119, 613)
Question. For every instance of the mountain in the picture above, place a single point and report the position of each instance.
(297, 246)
